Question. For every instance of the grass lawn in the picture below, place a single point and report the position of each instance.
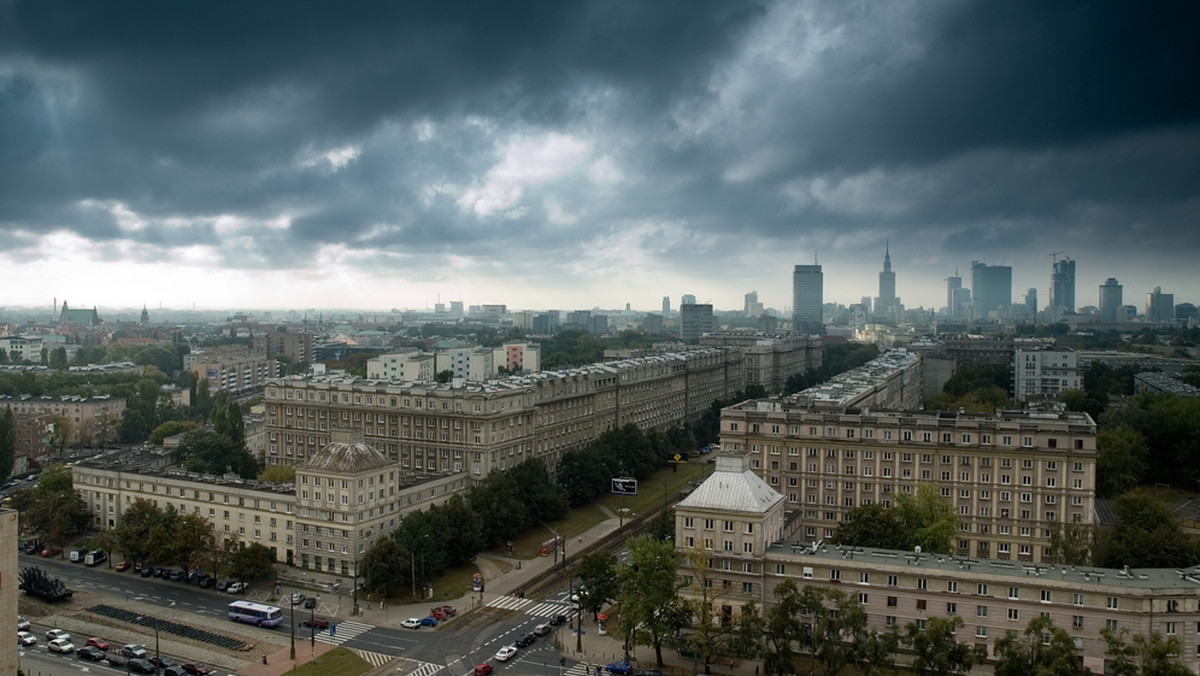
(341, 661)
(662, 484)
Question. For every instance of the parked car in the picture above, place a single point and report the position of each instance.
(57, 634)
(621, 667)
(316, 621)
(526, 640)
(506, 653)
(163, 662)
(178, 576)
(235, 587)
(91, 652)
(51, 551)
(197, 668)
(98, 643)
(429, 621)
(147, 571)
(133, 650)
(141, 665)
(160, 572)
(138, 566)
(22, 623)
(482, 669)
(438, 614)
(124, 566)
(449, 610)
(26, 639)
(175, 671)
(542, 629)
(61, 645)
(297, 597)
(206, 582)
(411, 623)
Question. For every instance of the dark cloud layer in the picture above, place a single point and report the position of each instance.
(426, 131)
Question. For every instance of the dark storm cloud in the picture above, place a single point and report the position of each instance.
(399, 128)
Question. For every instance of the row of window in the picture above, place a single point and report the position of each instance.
(891, 435)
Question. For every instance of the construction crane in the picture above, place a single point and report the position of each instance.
(1054, 256)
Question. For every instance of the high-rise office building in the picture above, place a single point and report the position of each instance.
(808, 297)
(695, 321)
(666, 307)
(1031, 302)
(688, 299)
(1160, 307)
(1111, 298)
(751, 307)
(1062, 287)
(885, 305)
(953, 309)
(991, 287)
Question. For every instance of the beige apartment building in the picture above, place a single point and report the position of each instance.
(231, 368)
(738, 524)
(770, 360)
(476, 427)
(317, 523)
(1013, 477)
(10, 526)
(93, 420)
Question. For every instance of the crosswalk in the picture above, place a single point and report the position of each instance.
(343, 631)
(424, 668)
(374, 659)
(544, 609)
(577, 669)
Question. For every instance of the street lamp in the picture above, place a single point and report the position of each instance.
(292, 621)
(157, 651)
(312, 630)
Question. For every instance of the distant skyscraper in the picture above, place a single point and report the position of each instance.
(885, 305)
(695, 321)
(1062, 286)
(953, 284)
(1031, 302)
(666, 307)
(991, 287)
(688, 299)
(1111, 298)
(456, 307)
(750, 306)
(808, 297)
(1160, 307)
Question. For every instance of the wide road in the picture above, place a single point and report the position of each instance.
(458, 645)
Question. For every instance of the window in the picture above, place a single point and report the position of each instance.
(922, 583)
(952, 586)
(862, 598)
(981, 632)
(1077, 621)
(920, 604)
(893, 580)
(951, 608)
(1111, 603)
(1014, 592)
(891, 602)
(1079, 599)
(981, 589)
(1014, 614)
(1045, 596)
(864, 578)
(981, 611)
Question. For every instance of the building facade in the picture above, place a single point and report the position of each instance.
(808, 299)
(734, 527)
(1062, 287)
(476, 427)
(1042, 372)
(93, 420)
(1013, 478)
(411, 365)
(770, 360)
(886, 303)
(991, 288)
(695, 320)
(230, 368)
(1111, 299)
(1160, 307)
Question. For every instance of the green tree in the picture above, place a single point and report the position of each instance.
(1142, 655)
(873, 525)
(1121, 460)
(783, 630)
(710, 635)
(1072, 544)
(170, 429)
(662, 526)
(936, 651)
(444, 376)
(1146, 535)
(748, 638)
(650, 605)
(1043, 650)
(929, 518)
(132, 532)
(55, 509)
(500, 504)
(58, 359)
(598, 581)
(385, 566)
(876, 652)
(252, 562)
(1170, 424)
(835, 616)
(278, 474)
(463, 534)
(545, 500)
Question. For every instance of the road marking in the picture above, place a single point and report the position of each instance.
(508, 602)
(344, 632)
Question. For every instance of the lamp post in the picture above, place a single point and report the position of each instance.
(157, 651)
(312, 632)
(292, 621)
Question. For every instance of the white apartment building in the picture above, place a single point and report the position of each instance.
(469, 363)
(1044, 372)
(411, 365)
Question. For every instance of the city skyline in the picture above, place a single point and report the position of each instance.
(593, 154)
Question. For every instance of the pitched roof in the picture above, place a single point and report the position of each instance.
(732, 487)
(347, 454)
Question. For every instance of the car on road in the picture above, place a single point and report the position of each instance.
(236, 588)
(297, 597)
(140, 665)
(22, 623)
(558, 620)
(175, 671)
(25, 638)
(429, 621)
(57, 633)
(163, 662)
(91, 652)
(61, 645)
(223, 585)
(411, 623)
(621, 667)
(526, 640)
(316, 621)
(197, 668)
(133, 650)
(482, 669)
(310, 603)
(542, 629)
(506, 653)
(98, 643)
(124, 566)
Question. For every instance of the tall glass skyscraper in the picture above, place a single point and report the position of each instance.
(1062, 286)
(808, 297)
(1111, 298)
(991, 287)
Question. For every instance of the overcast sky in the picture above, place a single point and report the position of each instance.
(577, 154)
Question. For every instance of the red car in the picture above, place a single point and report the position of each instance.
(124, 566)
(197, 668)
(316, 621)
(448, 611)
(51, 551)
(483, 669)
(438, 614)
(99, 643)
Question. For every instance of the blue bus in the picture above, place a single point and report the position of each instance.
(255, 613)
